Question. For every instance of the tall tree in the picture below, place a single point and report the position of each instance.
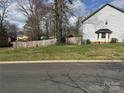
(33, 10)
(4, 4)
(12, 30)
(60, 11)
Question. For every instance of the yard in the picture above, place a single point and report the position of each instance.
(65, 52)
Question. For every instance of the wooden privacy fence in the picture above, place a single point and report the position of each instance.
(21, 44)
(74, 40)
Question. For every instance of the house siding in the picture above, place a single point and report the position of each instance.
(115, 22)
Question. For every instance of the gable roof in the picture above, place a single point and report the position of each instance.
(101, 9)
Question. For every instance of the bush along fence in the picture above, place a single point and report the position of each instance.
(21, 44)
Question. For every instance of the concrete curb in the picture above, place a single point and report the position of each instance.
(61, 61)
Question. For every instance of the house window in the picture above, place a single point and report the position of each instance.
(106, 23)
(103, 35)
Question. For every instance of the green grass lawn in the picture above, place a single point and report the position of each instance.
(66, 52)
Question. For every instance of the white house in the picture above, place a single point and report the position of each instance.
(104, 24)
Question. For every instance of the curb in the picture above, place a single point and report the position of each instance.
(61, 61)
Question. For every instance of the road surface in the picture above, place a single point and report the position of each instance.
(62, 78)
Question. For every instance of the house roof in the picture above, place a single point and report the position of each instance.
(101, 9)
(103, 31)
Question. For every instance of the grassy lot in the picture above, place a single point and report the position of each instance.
(67, 52)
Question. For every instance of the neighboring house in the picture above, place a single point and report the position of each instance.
(104, 24)
(22, 38)
(3, 40)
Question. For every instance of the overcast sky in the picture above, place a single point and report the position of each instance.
(80, 8)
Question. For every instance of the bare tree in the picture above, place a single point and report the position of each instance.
(33, 10)
(12, 30)
(60, 11)
(4, 4)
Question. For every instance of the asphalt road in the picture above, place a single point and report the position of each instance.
(62, 78)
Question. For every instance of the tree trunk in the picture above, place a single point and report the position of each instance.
(59, 20)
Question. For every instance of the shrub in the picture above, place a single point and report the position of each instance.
(114, 40)
(87, 41)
